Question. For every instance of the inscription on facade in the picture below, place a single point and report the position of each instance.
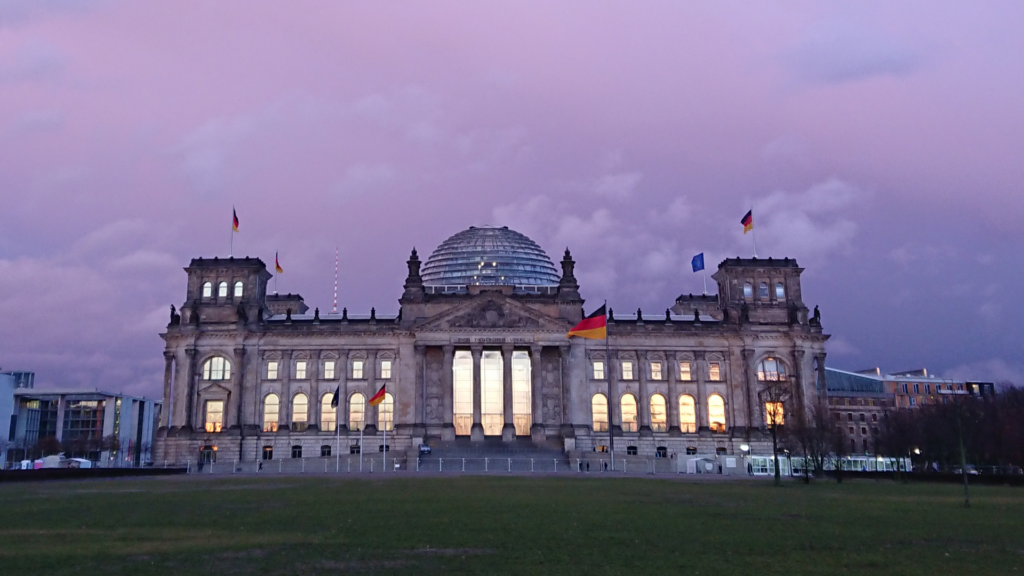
(492, 340)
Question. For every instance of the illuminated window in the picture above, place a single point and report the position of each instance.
(385, 369)
(659, 418)
(716, 413)
(770, 370)
(628, 406)
(238, 289)
(599, 412)
(300, 369)
(684, 371)
(300, 412)
(762, 292)
(386, 413)
(217, 368)
(521, 394)
(491, 392)
(272, 370)
(328, 369)
(357, 369)
(780, 291)
(462, 400)
(627, 370)
(214, 415)
(222, 290)
(748, 291)
(714, 371)
(687, 414)
(207, 290)
(271, 410)
(774, 414)
(656, 371)
(356, 412)
(328, 413)
(598, 370)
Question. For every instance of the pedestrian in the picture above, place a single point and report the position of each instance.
(588, 466)
(259, 466)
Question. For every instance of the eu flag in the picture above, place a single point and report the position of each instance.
(698, 262)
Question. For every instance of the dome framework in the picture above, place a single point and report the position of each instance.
(489, 255)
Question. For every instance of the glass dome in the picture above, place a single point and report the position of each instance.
(489, 255)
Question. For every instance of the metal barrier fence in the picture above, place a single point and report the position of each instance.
(349, 465)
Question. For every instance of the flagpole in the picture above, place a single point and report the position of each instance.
(361, 440)
(385, 463)
(231, 247)
(705, 270)
(753, 230)
(608, 375)
(337, 429)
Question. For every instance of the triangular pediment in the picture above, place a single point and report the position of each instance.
(214, 387)
(491, 312)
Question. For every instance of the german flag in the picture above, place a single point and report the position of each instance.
(378, 397)
(277, 265)
(234, 219)
(748, 221)
(594, 326)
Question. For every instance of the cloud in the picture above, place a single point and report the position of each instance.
(617, 186)
(19, 12)
(836, 51)
(40, 120)
(34, 61)
(364, 178)
(840, 347)
(991, 370)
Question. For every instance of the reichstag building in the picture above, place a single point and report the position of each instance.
(479, 353)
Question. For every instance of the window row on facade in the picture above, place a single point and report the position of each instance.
(300, 413)
(769, 369)
(764, 291)
(714, 408)
(219, 368)
(222, 289)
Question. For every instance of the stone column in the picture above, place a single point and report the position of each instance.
(168, 414)
(821, 384)
(421, 389)
(191, 400)
(614, 406)
(643, 404)
(701, 404)
(342, 371)
(508, 430)
(448, 393)
(750, 384)
(313, 374)
(537, 431)
(566, 388)
(796, 383)
(239, 385)
(285, 416)
(370, 371)
(673, 392)
(476, 433)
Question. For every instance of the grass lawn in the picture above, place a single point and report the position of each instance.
(505, 525)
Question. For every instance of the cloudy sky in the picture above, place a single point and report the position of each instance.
(880, 144)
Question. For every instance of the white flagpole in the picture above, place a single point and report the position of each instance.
(705, 270)
(337, 430)
(385, 464)
(753, 230)
(361, 441)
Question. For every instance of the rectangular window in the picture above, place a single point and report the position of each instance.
(598, 370)
(296, 451)
(214, 415)
(904, 387)
(325, 450)
(927, 388)
(684, 371)
(627, 370)
(714, 371)
(328, 369)
(300, 370)
(917, 388)
(774, 414)
(913, 401)
(357, 369)
(655, 370)
(268, 452)
(385, 369)
(272, 370)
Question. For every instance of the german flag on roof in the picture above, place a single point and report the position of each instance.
(594, 326)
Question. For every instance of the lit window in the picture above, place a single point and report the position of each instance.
(222, 290)
(521, 395)
(328, 413)
(684, 371)
(217, 368)
(491, 392)
(748, 291)
(762, 292)
(214, 415)
(780, 291)
(272, 370)
(716, 413)
(356, 412)
(714, 371)
(599, 412)
(386, 413)
(271, 409)
(357, 369)
(300, 370)
(385, 369)
(770, 370)
(659, 418)
(238, 289)
(627, 370)
(296, 451)
(328, 369)
(774, 414)
(462, 392)
(598, 370)
(655, 370)
(300, 412)
(207, 290)
(687, 414)
(628, 405)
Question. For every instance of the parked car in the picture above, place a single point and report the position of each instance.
(424, 450)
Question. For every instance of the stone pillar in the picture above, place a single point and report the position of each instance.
(370, 371)
(342, 371)
(820, 382)
(673, 392)
(239, 385)
(448, 393)
(421, 389)
(537, 431)
(614, 406)
(167, 415)
(313, 372)
(566, 388)
(191, 398)
(750, 384)
(285, 416)
(701, 404)
(476, 433)
(508, 430)
(643, 404)
(796, 382)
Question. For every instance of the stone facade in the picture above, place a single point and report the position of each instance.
(271, 345)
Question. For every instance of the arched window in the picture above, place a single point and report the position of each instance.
(687, 414)
(239, 289)
(356, 412)
(659, 419)
(599, 413)
(770, 370)
(300, 412)
(716, 413)
(222, 290)
(207, 290)
(780, 291)
(628, 404)
(271, 410)
(328, 413)
(217, 368)
(386, 413)
(762, 291)
(748, 290)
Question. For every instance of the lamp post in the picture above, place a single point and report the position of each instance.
(746, 456)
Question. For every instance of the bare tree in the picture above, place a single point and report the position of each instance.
(774, 394)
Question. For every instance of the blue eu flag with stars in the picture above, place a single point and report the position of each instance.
(698, 262)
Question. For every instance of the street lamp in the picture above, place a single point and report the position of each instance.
(746, 457)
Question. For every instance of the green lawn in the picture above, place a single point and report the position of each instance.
(512, 525)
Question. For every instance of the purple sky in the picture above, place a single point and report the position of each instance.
(879, 144)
